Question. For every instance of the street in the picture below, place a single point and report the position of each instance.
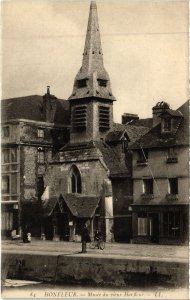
(135, 251)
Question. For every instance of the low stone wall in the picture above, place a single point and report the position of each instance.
(89, 270)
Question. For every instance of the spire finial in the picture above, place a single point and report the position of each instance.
(48, 89)
(92, 78)
(93, 4)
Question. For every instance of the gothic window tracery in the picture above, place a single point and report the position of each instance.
(75, 180)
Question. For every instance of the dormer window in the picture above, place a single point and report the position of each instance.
(167, 124)
(102, 82)
(125, 141)
(81, 83)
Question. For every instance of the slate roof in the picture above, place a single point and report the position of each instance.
(79, 153)
(80, 205)
(30, 107)
(114, 160)
(133, 132)
(92, 69)
(154, 138)
(173, 113)
(114, 136)
(49, 205)
(112, 156)
(148, 122)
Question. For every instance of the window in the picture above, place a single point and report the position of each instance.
(124, 144)
(148, 186)
(79, 117)
(171, 222)
(13, 155)
(102, 82)
(75, 180)
(5, 132)
(167, 124)
(172, 156)
(40, 186)
(9, 155)
(142, 156)
(104, 118)
(5, 156)
(173, 186)
(5, 184)
(81, 83)
(142, 224)
(41, 156)
(40, 133)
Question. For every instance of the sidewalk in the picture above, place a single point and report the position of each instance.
(116, 250)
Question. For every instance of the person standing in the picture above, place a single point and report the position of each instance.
(85, 238)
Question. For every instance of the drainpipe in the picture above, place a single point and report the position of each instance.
(92, 229)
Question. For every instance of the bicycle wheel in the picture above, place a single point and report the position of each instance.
(92, 245)
(102, 245)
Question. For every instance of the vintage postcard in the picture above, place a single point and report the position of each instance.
(94, 149)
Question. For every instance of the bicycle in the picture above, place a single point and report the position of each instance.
(100, 244)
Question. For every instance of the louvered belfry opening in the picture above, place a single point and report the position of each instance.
(104, 118)
(79, 117)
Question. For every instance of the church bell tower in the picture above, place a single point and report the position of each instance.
(91, 102)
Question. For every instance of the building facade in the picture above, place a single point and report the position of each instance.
(160, 178)
(66, 163)
(29, 139)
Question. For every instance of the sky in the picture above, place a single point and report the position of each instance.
(145, 47)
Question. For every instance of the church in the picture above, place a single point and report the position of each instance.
(89, 175)
(74, 163)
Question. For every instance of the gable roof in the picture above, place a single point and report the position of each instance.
(80, 205)
(154, 139)
(30, 108)
(49, 205)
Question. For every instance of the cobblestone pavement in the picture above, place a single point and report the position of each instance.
(132, 251)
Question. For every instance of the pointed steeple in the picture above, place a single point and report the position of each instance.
(92, 79)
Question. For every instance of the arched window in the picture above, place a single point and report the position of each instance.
(75, 180)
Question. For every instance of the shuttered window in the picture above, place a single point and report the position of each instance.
(7, 221)
(142, 226)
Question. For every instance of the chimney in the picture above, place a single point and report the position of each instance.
(126, 118)
(48, 90)
(157, 110)
(49, 106)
